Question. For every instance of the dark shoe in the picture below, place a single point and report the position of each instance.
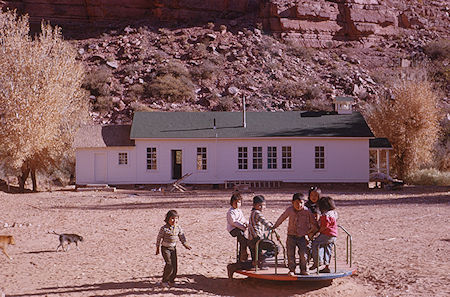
(304, 272)
(231, 268)
(313, 267)
(325, 270)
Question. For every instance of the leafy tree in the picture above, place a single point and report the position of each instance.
(410, 120)
(41, 100)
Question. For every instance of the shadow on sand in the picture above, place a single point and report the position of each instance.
(195, 284)
(40, 252)
(436, 198)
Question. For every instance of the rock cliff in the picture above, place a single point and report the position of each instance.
(320, 23)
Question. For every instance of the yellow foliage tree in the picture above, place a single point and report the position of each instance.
(410, 120)
(41, 100)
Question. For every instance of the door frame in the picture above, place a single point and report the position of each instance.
(176, 165)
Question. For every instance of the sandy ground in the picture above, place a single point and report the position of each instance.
(401, 243)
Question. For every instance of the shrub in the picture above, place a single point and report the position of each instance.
(299, 51)
(174, 68)
(411, 123)
(172, 88)
(438, 50)
(97, 82)
(319, 103)
(288, 89)
(103, 104)
(206, 70)
(431, 177)
(225, 104)
(172, 83)
(137, 90)
(312, 92)
(139, 106)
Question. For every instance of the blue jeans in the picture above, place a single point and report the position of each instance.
(323, 245)
(292, 243)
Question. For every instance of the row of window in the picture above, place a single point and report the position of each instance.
(272, 157)
(243, 158)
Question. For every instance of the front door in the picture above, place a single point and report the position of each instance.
(100, 167)
(176, 164)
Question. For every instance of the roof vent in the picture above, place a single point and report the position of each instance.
(343, 105)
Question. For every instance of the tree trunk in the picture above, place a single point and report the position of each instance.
(23, 178)
(33, 179)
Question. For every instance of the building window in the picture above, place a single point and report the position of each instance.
(319, 157)
(286, 157)
(242, 158)
(272, 157)
(201, 158)
(151, 158)
(123, 158)
(257, 157)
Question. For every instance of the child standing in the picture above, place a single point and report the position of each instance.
(257, 227)
(167, 238)
(237, 224)
(301, 222)
(313, 197)
(322, 245)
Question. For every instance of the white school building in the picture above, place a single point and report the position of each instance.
(220, 148)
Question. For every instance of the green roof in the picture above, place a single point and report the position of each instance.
(380, 143)
(259, 124)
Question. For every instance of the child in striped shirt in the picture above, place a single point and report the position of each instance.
(257, 227)
(167, 239)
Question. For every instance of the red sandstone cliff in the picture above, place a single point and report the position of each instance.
(313, 23)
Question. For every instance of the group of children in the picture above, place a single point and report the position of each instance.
(312, 229)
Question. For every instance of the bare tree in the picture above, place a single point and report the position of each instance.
(410, 120)
(41, 100)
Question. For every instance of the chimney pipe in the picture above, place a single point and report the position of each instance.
(244, 115)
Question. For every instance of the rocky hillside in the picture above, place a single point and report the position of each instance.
(279, 54)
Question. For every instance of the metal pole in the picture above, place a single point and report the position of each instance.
(346, 250)
(317, 259)
(335, 258)
(276, 253)
(237, 250)
(350, 251)
(256, 255)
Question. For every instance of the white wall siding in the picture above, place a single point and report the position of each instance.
(115, 174)
(346, 160)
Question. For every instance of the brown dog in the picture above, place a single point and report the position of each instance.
(5, 240)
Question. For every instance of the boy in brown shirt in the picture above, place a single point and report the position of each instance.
(301, 223)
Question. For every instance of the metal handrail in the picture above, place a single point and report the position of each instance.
(348, 250)
(270, 234)
(348, 246)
